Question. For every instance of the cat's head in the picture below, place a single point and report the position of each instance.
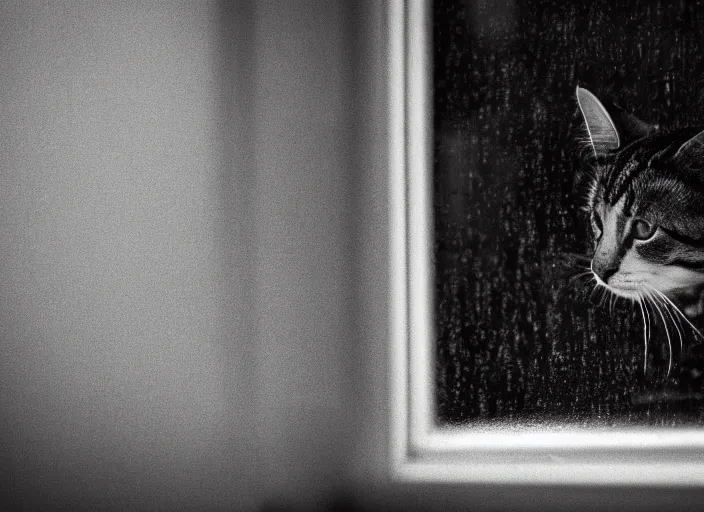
(645, 201)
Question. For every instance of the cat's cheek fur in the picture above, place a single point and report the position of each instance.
(672, 279)
(637, 275)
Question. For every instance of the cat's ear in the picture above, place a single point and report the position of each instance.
(602, 130)
(693, 149)
(609, 126)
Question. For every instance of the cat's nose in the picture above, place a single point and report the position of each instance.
(605, 272)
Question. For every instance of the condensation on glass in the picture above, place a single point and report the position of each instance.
(520, 335)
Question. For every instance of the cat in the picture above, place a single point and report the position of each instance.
(645, 203)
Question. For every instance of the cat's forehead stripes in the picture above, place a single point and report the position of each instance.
(619, 169)
(621, 174)
(622, 169)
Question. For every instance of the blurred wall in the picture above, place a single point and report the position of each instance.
(178, 253)
(119, 333)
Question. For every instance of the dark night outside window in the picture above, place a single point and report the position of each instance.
(516, 339)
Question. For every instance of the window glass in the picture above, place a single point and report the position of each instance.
(522, 334)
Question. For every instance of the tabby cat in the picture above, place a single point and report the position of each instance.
(646, 205)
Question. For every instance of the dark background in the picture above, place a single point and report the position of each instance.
(516, 337)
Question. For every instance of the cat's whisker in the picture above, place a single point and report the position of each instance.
(604, 296)
(597, 289)
(575, 255)
(581, 275)
(675, 320)
(609, 302)
(645, 333)
(679, 313)
(614, 301)
(650, 328)
(647, 314)
(678, 322)
(591, 294)
(575, 261)
(671, 306)
(667, 331)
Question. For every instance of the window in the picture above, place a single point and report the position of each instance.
(516, 437)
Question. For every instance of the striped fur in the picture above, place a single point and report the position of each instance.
(657, 179)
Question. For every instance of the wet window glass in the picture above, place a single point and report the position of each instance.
(523, 332)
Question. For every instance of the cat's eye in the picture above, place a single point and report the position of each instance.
(642, 230)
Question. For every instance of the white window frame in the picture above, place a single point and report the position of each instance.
(422, 450)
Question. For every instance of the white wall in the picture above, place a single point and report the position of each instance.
(115, 348)
(304, 248)
(178, 251)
